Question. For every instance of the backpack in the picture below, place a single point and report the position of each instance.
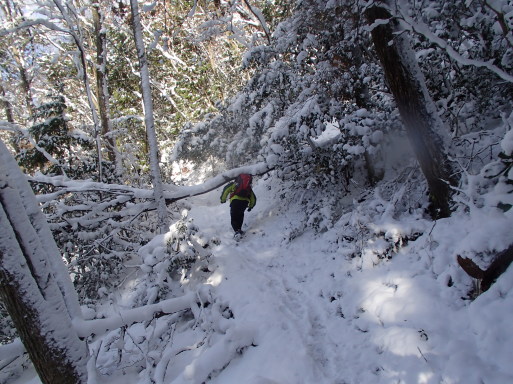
(243, 185)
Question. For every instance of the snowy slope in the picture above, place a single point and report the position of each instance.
(320, 317)
(309, 311)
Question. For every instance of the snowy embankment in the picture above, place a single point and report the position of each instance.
(310, 311)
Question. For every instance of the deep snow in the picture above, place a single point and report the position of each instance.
(308, 311)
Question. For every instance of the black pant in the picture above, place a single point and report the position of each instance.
(237, 208)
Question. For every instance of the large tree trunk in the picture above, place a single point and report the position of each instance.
(40, 301)
(148, 119)
(423, 125)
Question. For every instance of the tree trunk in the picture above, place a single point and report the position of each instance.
(102, 91)
(423, 125)
(33, 288)
(7, 105)
(148, 119)
(25, 83)
(82, 69)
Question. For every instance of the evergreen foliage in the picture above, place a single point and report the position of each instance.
(55, 149)
(316, 74)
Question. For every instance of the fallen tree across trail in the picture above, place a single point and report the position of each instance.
(172, 193)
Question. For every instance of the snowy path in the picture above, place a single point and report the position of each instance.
(278, 291)
(318, 317)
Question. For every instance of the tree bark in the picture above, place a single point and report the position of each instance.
(102, 91)
(423, 125)
(149, 120)
(7, 105)
(33, 289)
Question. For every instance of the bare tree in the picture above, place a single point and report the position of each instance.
(148, 119)
(102, 90)
(76, 34)
(423, 125)
(34, 284)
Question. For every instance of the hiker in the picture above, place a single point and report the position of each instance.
(241, 197)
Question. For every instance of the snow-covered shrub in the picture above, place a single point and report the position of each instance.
(468, 96)
(307, 111)
(98, 233)
(185, 244)
(492, 187)
(167, 260)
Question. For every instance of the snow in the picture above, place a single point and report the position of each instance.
(330, 135)
(422, 29)
(307, 312)
(507, 143)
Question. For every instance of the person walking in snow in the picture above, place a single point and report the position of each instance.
(241, 196)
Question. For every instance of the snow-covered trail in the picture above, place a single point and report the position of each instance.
(265, 294)
(285, 294)
(319, 317)
(305, 312)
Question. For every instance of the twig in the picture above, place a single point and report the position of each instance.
(424, 357)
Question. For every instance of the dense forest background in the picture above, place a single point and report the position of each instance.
(335, 103)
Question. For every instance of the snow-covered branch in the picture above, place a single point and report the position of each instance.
(172, 192)
(258, 14)
(422, 29)
(86, 328)
(30, 23)
(219, 180)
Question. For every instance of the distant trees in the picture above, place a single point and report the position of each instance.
(81, 51)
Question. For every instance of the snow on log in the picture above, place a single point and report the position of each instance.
(172, 192)
(86, 328)
(217, 357)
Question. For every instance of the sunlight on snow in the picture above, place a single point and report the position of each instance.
(401, 341)
(381, 300)
(215, 279)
